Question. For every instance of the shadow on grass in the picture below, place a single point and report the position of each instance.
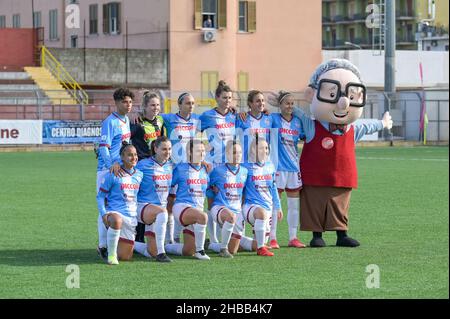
(55, 257)
(49, 257)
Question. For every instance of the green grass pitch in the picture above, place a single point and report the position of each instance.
(399, 214)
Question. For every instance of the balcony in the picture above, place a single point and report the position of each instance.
(405, 14)
(338, 18)
(358, 17)
(405, 39)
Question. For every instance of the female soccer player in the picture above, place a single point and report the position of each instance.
(144, 131)
(152, 199)
(119, 214)
(228, 180)
(181, 127)
(256, 122)
(219, 124)
(261, 196)
(192, 180)
(115, 131)
(288, 176)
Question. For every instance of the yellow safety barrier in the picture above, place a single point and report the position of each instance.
(59, 72)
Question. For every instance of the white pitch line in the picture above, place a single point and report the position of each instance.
(404, 159)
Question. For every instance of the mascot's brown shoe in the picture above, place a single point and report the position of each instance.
(347, 242)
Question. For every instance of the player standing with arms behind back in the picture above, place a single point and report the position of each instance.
(115, 130)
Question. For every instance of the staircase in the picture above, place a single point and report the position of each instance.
(52, 88)
(56, 82)
(17, 88)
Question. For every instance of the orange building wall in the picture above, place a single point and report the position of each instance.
(286, 47)
(17, 47)
(281, 54)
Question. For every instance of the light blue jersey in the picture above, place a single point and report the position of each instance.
(220, 128)
(230, 182)
(121, 192)
(192, 183)
(260, 188)
(156, 182)
(289, 134)
(252, 126)
(115, 130)
(180, 131)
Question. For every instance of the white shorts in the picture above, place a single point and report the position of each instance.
(289, 181)
(128, 230)
(178, 211)
(249, 209)
(100, 177)
(239, 226)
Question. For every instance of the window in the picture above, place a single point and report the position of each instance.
(351, 9)
(16, 21)
(351, 34)
(53, 23)
(243, 16)
(111, 18)
(247, 16)
(2, 21)
(74, 41)
(332, 10)
(93, 19)
(209, 80)
(210, 14)
(37, 19)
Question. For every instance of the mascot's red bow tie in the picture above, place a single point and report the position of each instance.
(338, 127)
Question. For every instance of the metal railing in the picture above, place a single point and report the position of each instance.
(405, 109)
(59, 72)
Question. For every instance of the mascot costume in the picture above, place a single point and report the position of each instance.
(328, 163)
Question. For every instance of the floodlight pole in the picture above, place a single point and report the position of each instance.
(389, 60)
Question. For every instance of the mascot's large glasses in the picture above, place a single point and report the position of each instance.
(329, 91)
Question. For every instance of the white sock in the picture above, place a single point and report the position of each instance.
(273, 221)
(267, 229)
(215, 247)
(260, 228)
(293, 205)
(177, 230)
(101, 232)
(200, 234)
(218, 232)
(112, 238)
(246, 243)
(227, 229)
(160, 231)
(170, 229)
(212, 229)
(174, 249)
(141, 248)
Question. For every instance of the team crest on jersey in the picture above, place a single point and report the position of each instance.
(267, 121)
(327, 143)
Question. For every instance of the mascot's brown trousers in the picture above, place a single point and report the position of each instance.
(324, 208)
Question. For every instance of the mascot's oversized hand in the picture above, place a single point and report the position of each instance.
(387, 121)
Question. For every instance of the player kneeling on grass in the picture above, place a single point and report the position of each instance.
(119, 215)
(152, 199)
(261, 196)
(228, 181)
(192, 180)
